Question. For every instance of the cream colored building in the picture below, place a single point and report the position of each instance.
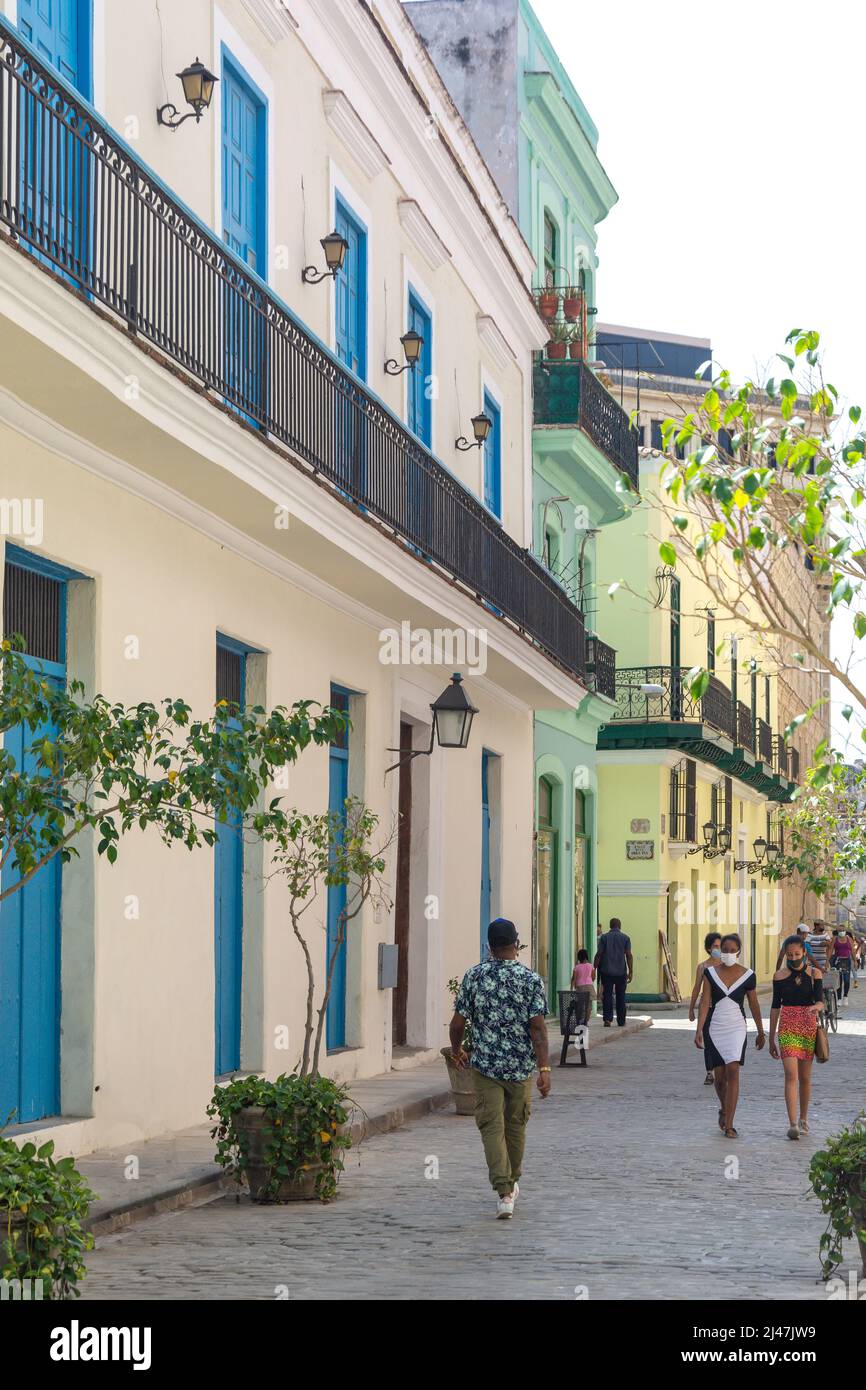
(220, 458)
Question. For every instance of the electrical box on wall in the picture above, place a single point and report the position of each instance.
(388, 957)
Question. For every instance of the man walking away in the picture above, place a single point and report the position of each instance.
(615, 964)
(506, 1004)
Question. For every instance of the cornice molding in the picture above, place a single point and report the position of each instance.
(272, 18)
(415, 224)
(359, 141)
(633, 888)
(494, 341)
(544, 95)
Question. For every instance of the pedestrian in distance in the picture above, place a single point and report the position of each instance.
(582, 981)
(712, 947)
(798, 995)
(802, 931)
(820, 944)
(506, 1005)
(615, 964)
(721, 1030)
(842, 958)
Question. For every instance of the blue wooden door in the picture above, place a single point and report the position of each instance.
(419, 418)
(493, 457)
(486, 884)
(350, 341)
(244, 213)
(34, 608)
(338, 791)
(53, 160)
(229, 896)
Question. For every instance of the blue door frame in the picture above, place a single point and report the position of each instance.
(229, 920)
(244, 227)
(30, 923)
(53, 163)
(350, 344)
(493, 457)
(338, 791)
(486, 881)
(419, 415)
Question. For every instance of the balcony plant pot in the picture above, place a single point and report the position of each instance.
(548, 304)
(571, 307)
(575, 350)
(462, 1085)
(252, 1123)
(557, 351)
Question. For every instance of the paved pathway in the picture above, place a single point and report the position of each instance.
(625, 1195)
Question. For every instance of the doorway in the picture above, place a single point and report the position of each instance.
(402, 896)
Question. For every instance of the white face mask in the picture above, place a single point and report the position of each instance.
(729, 957)
(843, 934)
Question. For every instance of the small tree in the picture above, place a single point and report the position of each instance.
(328, 850)
(779, 470)
(825, 830)
(111, 767)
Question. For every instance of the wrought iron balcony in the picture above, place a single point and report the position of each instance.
(75, 197)
(780, 749)
(676, 703)
(569, 393)
(765, 743)
(745, 732)
(794, 764)
(601, 667)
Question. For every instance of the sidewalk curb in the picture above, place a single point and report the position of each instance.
(208, 1184)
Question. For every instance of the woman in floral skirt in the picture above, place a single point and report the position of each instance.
(798, 995)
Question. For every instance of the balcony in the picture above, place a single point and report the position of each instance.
(675, 719)
(601, 667)
(569, 393)
(74, 197)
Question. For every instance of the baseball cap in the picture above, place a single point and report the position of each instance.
(501, 933)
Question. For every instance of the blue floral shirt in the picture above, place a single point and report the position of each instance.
(499, 997)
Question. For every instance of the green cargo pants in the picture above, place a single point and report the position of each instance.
(501, 1113)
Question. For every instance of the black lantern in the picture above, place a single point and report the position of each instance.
(413, 346)
(481, 427)
(773, 852)
(453, 713)
(198, 84)
(709, 833)
(760, 848)
(725, 839)
(335, 248)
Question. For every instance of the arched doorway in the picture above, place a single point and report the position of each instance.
(581, 872)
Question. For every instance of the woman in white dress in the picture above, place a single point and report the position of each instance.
(722, 1025)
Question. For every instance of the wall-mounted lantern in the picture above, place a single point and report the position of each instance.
(481, 427)
(198, 84)
(753, 865)
(413, 346)
(453, 714)
(335, 248)
(717, 841)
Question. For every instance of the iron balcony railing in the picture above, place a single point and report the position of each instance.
(794, 764)
(781, 754)
(74, 196)
(676, 702)
(601, 667)
(765, 743)
(745, 732)
(569, 393)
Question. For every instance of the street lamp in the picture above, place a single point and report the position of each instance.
(335, 248)
(753, 865)
(453, 713)
(198, 84)
(481, 427)
(413, 346)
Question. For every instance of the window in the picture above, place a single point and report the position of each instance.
(656, 441)
(545, 802)
(551, 249)
(419, 415)
(493, 457)
(683, 802)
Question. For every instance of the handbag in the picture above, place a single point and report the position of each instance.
(822, 1045)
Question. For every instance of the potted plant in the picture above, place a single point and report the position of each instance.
(43, 1208)
(557, 347)
(462, 1084)
(572, 303)
(838, 1177)
(548, 302)
(284, 1138)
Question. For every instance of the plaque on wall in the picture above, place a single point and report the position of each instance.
(640, 827)
(639, 849)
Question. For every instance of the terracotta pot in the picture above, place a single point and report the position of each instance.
(299, 1187)
(571, 307)
(462, 1085)
(548, 304)
(557, 351)
(575, 351)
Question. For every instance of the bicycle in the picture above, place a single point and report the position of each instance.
(831, 999)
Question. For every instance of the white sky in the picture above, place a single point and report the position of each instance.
(735, 139)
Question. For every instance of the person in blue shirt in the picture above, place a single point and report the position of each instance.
(615, 964)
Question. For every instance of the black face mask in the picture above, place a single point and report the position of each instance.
(795, 965)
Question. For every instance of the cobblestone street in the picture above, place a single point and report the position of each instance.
(624, 1192)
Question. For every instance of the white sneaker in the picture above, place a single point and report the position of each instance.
(505, 1207)
(515, 1191)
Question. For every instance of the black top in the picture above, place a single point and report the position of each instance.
(798, 989)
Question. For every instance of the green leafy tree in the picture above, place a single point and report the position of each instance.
(824, 830)
(774, 467)
(311, 853)
(113, 768)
